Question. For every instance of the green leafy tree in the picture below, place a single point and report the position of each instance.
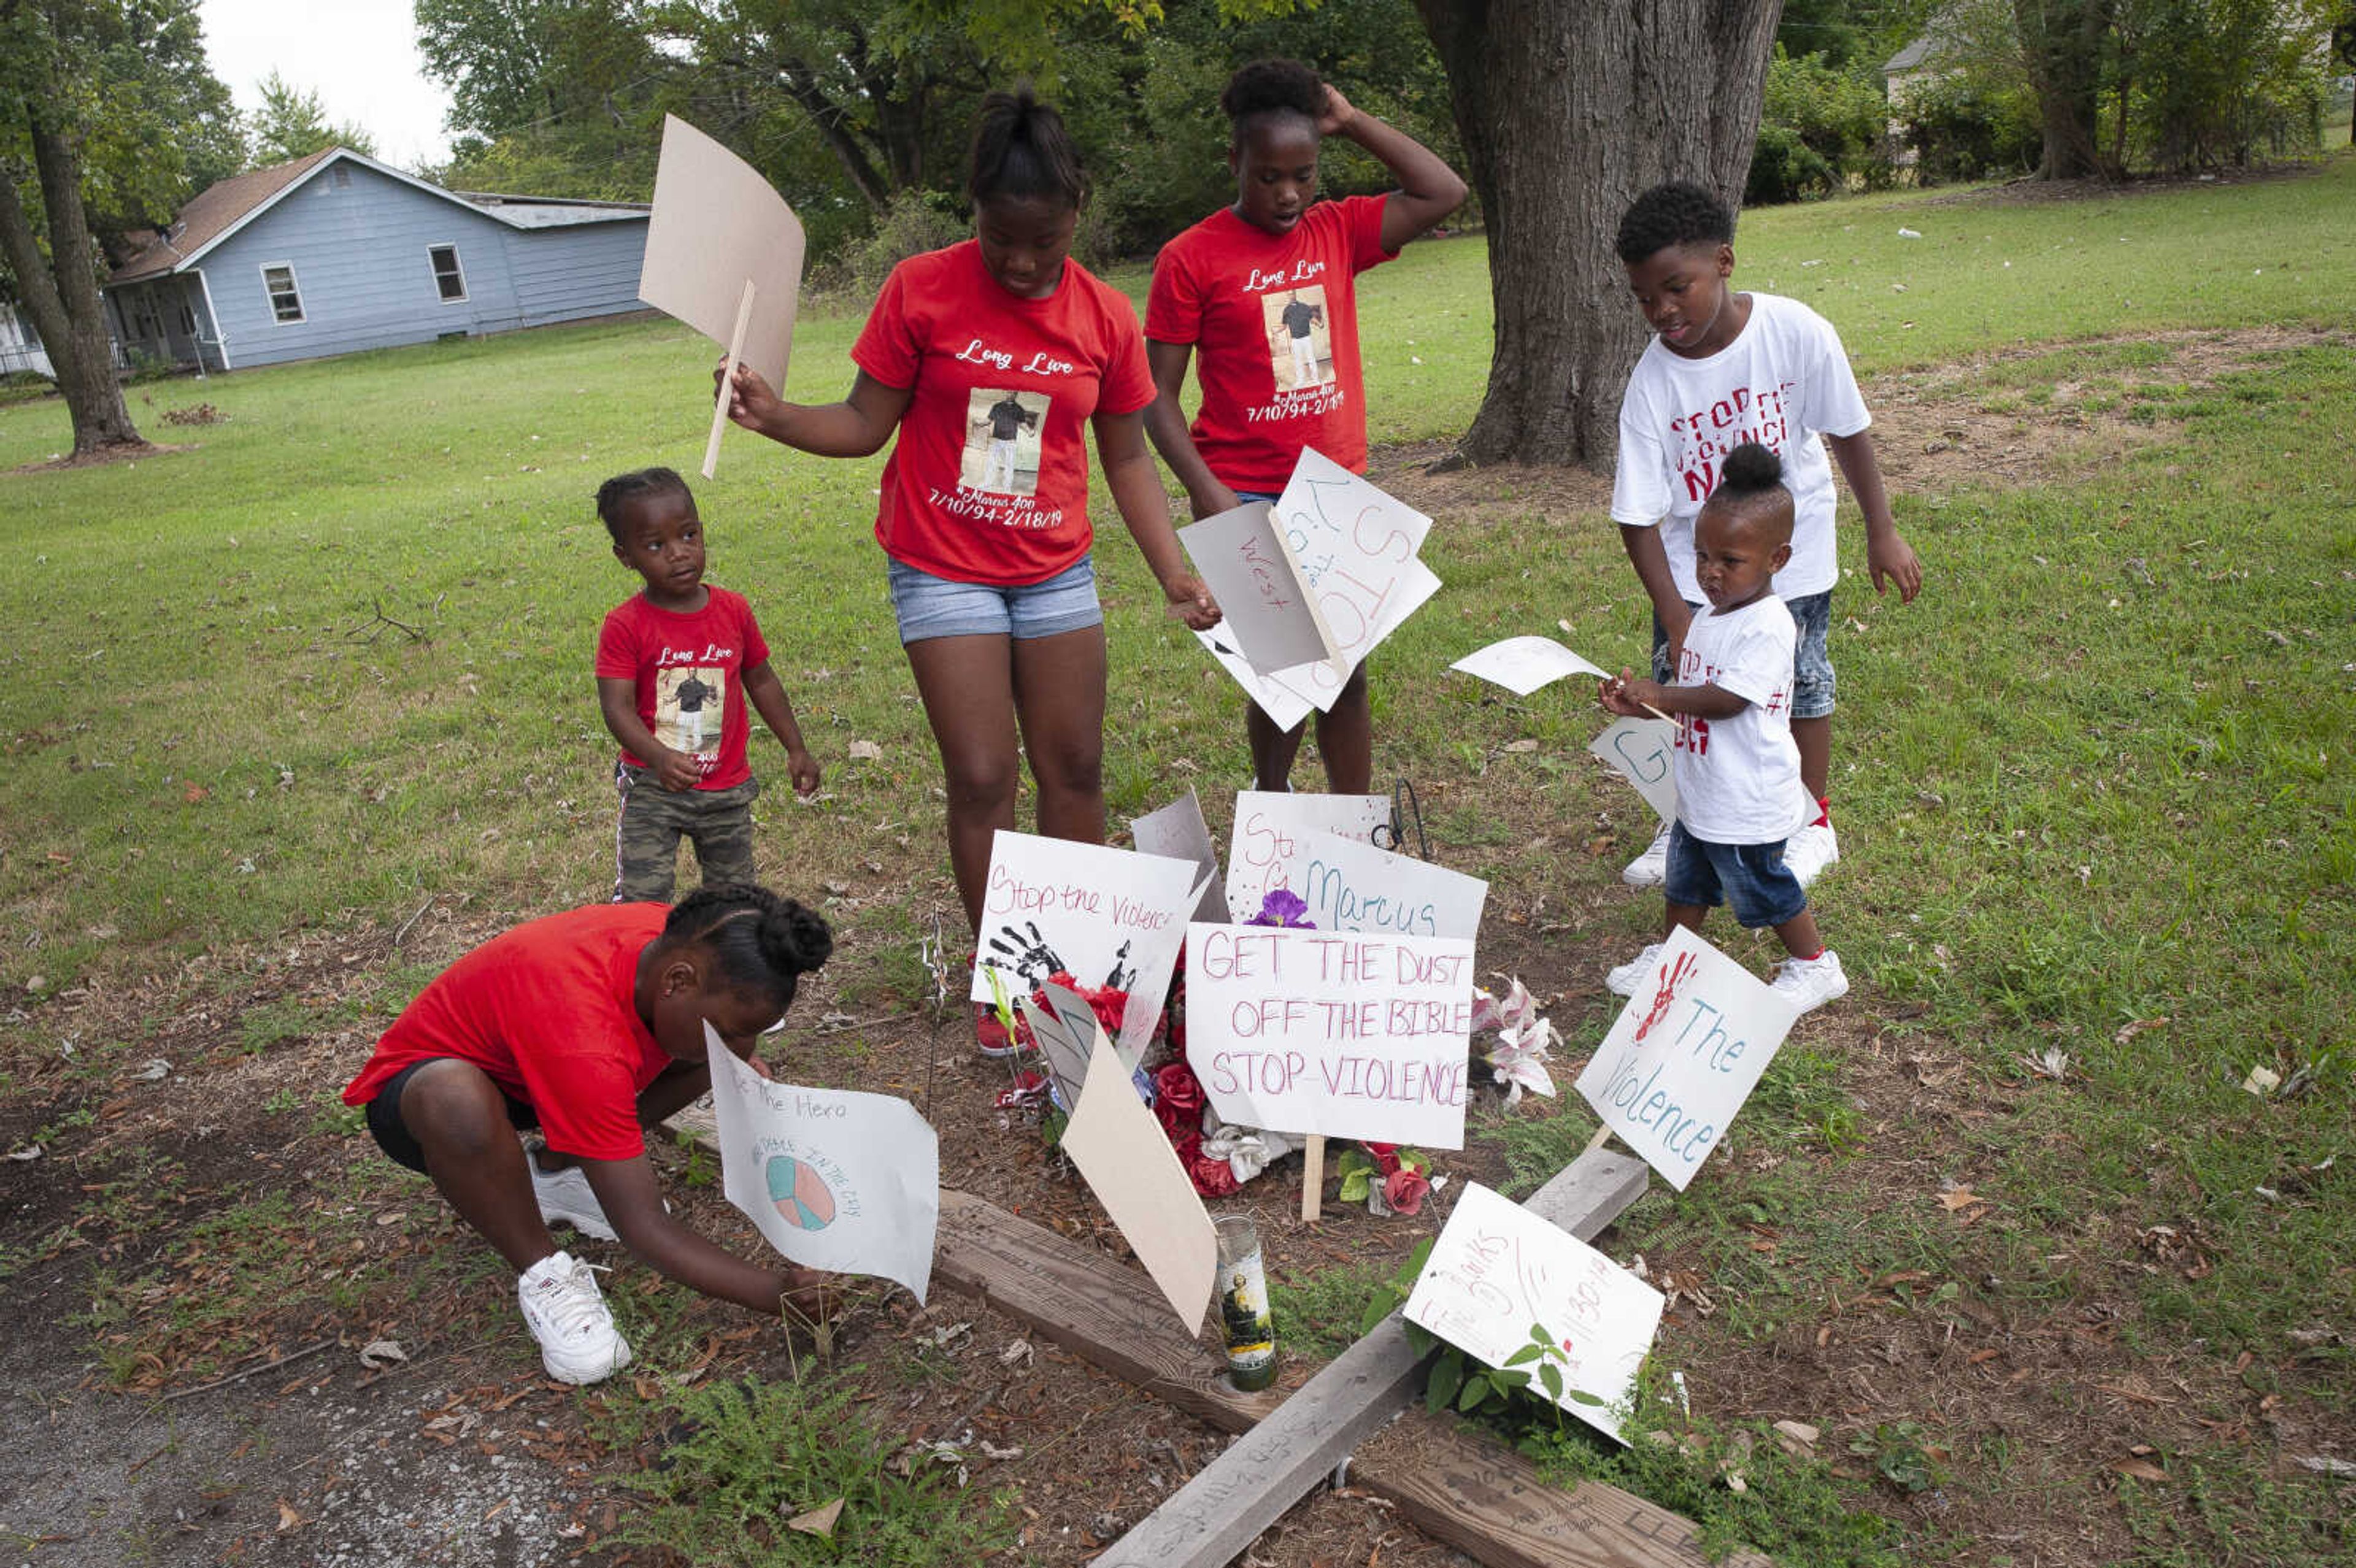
(293, 124)
(109, 117)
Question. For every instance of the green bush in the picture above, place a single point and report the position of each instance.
(915, 222)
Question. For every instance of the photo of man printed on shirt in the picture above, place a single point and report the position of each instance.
(689, 705)
(1001, 441)
(1300, 350)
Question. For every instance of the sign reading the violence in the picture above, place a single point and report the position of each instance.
(1683, 1055)
(1348, 1034)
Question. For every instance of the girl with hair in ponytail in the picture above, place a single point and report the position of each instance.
(1264, 291)
(993, 362)
(588, 1027)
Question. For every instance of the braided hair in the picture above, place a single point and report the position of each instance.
(760, 943)
(1021, 149)
(617, 493)
(1678, 213)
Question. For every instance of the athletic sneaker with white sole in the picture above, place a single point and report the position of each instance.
(565, 1198)
(1650, 869)
(1809, 983)
(1623, 981)
(567, 1314)
(1811, 851)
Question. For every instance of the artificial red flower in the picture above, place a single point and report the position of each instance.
(1178, 1100)
(1385, 1157)
(1213, 1176)
(1404, 1189)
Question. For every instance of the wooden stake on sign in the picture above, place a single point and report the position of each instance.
(1602, 1135)
(1313, 1177)
(728, 380)
(1564, 623)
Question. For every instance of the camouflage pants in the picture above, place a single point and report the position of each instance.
(719, 822)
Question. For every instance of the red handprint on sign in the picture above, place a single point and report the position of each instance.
(1672, 977)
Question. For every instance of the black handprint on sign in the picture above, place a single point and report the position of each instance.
(1026, 953)
(1120, 979)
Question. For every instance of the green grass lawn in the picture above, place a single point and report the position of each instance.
(2097, 777)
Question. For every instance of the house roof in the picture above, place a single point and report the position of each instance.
(222, 208)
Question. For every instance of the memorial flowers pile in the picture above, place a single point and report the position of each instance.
(1519, 1058)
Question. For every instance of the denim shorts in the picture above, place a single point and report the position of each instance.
(931, 606)
(1751, 879)
(1811, 677)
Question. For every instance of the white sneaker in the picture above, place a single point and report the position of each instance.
(1809, 983)
(1810, 851)
(1650, 869)
(578, 1342)
(565, 1198)
(1624, 980)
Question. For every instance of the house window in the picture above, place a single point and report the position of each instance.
(285, 300)
(449, 277)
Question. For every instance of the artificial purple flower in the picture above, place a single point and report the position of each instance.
(1282, 907)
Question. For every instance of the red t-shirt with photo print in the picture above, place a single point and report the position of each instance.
(987, 481)
(1239, 296)
(549, 1011)
(691, 671)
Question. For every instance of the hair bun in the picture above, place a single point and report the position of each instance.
(796, 937)
(1751, 467)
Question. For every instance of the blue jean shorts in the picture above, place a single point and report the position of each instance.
(1811, 676)
(1749, 879)
(931, 606)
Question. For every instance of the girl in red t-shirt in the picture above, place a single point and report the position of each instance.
(588, 1026)
(992, 361)
(1264, 290)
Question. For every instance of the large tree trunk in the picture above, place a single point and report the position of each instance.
(2063, 41)
(1567, 111)
(61, 294)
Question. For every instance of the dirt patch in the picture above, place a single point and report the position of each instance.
(128, 452)
(2037, 192)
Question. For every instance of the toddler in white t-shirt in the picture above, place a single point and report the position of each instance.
(1740, 797)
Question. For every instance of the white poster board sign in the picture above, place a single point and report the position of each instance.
(1642, 750)
(834, 1178)
(1683, 1055)
(1351, 885)
(1499, 1271)
(1344, 1034)
(1275, 696)
(1106, 917)
(1178, 832)
(724, 254)
(1271, 828)
(1128, 1163)
(1321, 683)
(1269, 612)
(1522, 665)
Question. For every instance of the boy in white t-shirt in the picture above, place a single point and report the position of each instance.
(1740, 797)
(1725, 369)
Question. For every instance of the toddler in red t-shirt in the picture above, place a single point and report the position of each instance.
(676, 666)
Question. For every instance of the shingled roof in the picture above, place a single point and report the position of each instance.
(216, 209)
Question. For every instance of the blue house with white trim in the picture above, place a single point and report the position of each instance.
(336, 252)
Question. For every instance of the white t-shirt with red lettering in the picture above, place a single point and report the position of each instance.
(1784, 383)
(1273, 319)
(988, 480)
(1738, 778)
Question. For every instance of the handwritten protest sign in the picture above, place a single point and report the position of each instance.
(834, 1178)
(1499, 1271)
(1683, 1055)
(1522, 665)
(724, 255)
(1271, 616)
(1344, 1034)
(1121, 1152)
(1275, 696)
(1351, 885)
(1178, 832)
(1271, 826)
(1641, 750)
(1321, 683)
(1106, 917)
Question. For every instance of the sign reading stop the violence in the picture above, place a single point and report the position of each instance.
(1350, 1035)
